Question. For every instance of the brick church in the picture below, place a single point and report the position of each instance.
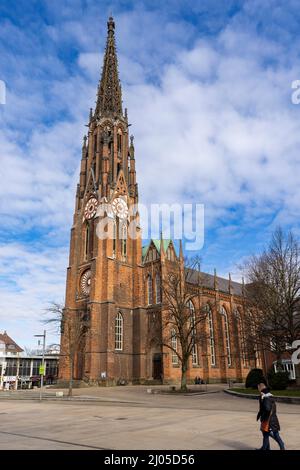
(117, 284)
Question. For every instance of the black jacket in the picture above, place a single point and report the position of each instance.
(266, 405)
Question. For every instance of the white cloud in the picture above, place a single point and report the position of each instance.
(213, 122)
(31, 277)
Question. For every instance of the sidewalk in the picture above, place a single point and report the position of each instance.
(124, 394)
(131, 418)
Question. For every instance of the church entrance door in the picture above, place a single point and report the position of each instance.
(157, 366)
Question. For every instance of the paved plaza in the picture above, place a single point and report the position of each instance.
(130, 418)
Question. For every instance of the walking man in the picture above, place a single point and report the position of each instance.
(270, 426)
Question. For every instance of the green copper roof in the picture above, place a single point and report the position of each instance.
(157, 246)
(144, 250)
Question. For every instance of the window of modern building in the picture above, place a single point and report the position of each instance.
(288, 366)
(24, 368)
(11, 367)
(36, 366)
(51, 367)
(119, 332)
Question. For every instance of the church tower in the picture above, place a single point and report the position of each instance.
(105, 272)
(116, 300)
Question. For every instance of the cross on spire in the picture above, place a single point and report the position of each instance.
(109, 99)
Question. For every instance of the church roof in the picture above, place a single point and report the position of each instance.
(208, 280)
(10, 344)
(156, 243)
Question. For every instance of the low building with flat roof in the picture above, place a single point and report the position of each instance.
(19, 370)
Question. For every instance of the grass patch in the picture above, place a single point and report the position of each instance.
(276, 393)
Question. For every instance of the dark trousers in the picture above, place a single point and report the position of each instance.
(275, 435)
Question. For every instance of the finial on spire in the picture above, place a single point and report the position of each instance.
(131, 148)
(84, 146)
(216, 285)
(110, 25)
(162, 249)
(180, 250)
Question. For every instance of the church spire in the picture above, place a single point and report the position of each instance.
(109, 99)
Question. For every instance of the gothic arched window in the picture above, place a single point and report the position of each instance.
(149, 289)
(110, 142)
(86, 241)
(114, 235)
(170, 254)
(95, 144)
(174, 347)
(124, 241)
(211, 335)
(119, 332)
(119, 142)
(193, 332)
(158, 288)
(227, 335)
(241, 336)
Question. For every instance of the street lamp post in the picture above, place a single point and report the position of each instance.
(43, 362)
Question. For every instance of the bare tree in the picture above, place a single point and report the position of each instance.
(74, 330)
(182, 314)
(274, 292)
(30, 351)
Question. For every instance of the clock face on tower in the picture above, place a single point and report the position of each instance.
(120, 208)
(85, 282)
(90, 208)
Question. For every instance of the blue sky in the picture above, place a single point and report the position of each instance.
(208, 90)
